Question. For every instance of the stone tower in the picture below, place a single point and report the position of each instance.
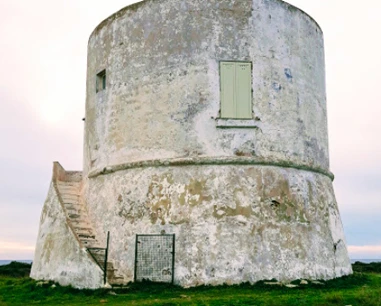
(207, 120)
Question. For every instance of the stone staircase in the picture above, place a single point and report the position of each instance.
(68, 186)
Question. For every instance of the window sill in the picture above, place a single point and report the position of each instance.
(236, 123)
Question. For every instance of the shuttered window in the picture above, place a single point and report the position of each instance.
(236, 90)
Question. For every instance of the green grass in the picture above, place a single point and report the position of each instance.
(16, 269)
(370, 267)
(357, 289)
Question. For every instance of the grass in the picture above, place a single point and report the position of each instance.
(16, 269)
(357, 289)
(373, 267)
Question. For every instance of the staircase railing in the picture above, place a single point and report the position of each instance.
(97, 252)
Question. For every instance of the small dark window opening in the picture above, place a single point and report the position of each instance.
(101, 81)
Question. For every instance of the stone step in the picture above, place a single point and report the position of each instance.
(74, 205)
(68, 187)
(70, 206)
(85, 235)
(92, 246)
(72, 191)
(77, 220)
(100, 263)
(70, 198)
(74, 211)
(63, 183)
(69, 192)
(116, 280)
(77, 215)
(118, 277)
(89, 242)
(88, 230)
(74, 216)
(77, 223)
(77, 228)
(100, 251)
(71, 202)
(99, 257)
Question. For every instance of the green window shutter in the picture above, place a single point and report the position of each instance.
(236, 100)
(243, 91)
(228, 107)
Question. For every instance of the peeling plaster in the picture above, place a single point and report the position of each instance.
(247, 202)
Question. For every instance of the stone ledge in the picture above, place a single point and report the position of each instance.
(222, 161)
(237, 123)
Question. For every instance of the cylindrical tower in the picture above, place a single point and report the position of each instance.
(207, 119)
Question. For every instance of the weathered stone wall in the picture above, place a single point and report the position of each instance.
(163, 99)
(58, 254)
(247, 200)
(232, 224)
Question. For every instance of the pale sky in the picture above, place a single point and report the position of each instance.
(43, 45)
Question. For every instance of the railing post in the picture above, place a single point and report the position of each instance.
(173, 258)
(136, 257)
(106, 258)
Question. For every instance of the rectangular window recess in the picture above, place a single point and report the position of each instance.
(236, 90)
(223, 123)
(101, 81)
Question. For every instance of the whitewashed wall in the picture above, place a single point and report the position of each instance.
(162, 97)
(245, 203)
(58, 256)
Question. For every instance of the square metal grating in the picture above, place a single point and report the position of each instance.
(155, 258)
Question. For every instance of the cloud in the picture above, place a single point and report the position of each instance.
(364, 251)
(42, 98)
(15, 250)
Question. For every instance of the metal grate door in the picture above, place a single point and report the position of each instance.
(155, 258)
